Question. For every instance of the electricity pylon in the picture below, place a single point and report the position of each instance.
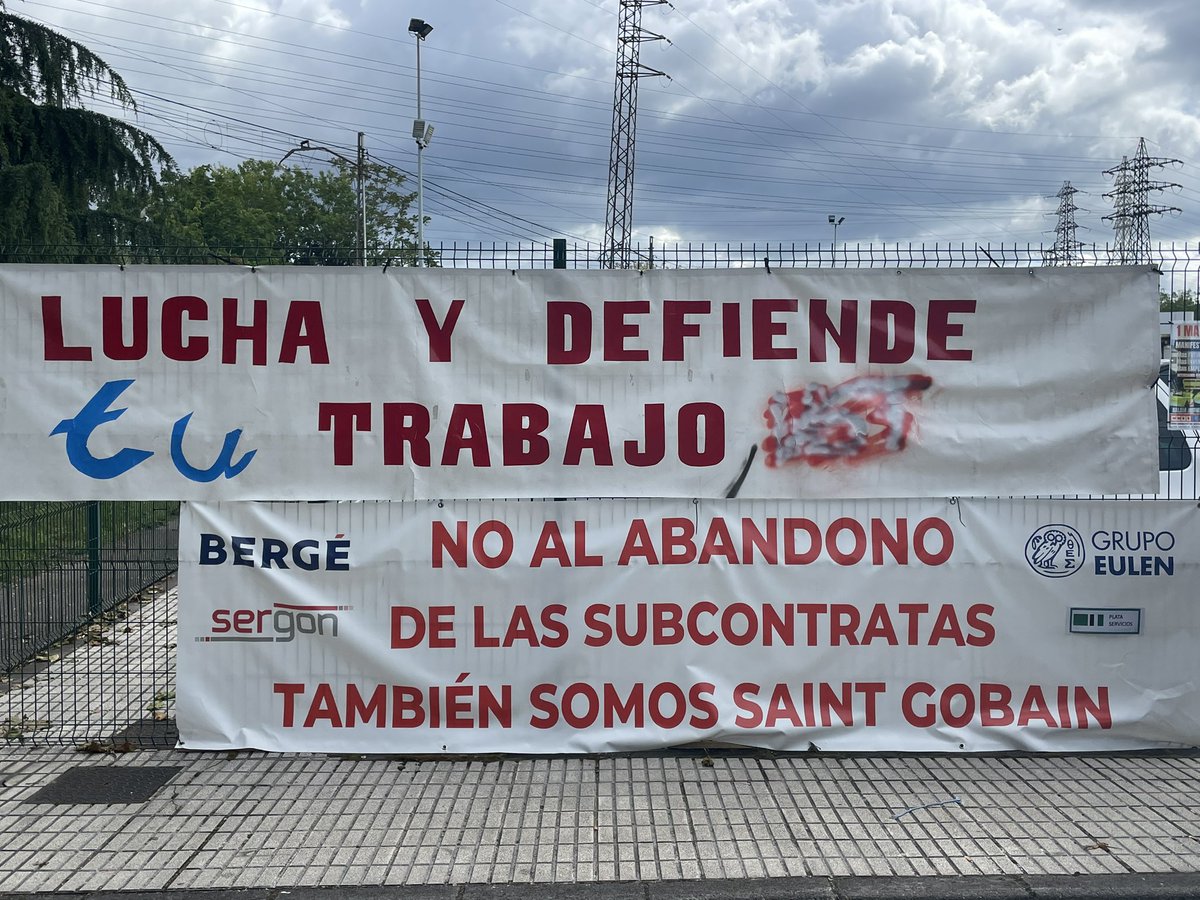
(618, 218)
(1131, 204)
(1065, 251)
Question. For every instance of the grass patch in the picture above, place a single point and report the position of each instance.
(38, 536)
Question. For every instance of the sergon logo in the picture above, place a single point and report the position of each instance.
(276, 553)
(280, 624)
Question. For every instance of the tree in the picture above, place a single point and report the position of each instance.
(1178, 301)
(265, 213)
(61, 164)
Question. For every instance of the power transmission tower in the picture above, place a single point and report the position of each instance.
(1065, 251)
(1131, 205)
(618, 217)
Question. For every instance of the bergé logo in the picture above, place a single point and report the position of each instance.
(275, 553)
(280, 624)
(1055, 551)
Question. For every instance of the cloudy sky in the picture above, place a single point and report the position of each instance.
(916, 120)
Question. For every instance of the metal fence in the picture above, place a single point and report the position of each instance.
(86, 617)
(1180, 262)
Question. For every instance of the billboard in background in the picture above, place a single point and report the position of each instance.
(609, 625)
(218, 383)
(1184, 388)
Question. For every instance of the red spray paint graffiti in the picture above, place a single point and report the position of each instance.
(855, 420)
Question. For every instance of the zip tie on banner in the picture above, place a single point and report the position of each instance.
(913, 809)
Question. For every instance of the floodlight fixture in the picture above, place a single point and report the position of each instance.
(420, 28)
(835, 221)
(422, 132)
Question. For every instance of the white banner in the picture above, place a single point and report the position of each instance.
(550, 627)
(293, 383)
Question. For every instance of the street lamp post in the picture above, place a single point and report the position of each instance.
(422, 134)
(835, 221)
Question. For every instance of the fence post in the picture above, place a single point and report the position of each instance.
(560, 253)
(93, 558)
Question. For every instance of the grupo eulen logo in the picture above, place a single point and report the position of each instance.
(1055, 551)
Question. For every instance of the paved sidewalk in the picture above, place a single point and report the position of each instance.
(256, 821)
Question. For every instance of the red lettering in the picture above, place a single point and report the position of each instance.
(638, 543)
(233, 333)
(523, 427)
(443, 543)
(589, 431)
(478, 547)
(558, 314)
(764, 329)
(466, 431)
(617, 330)
(304, 327)
(676, 327)
(979, 620)
(750, 713)
(844, 620)
(995, 705)
(940, 328)
(405, 423)
(695, 450)
(176, 345)
(821, 328)
(54, 345)
(113, 328)
(655, 422)
(920, 541)
(439, 333)
(893, 327)
(343, 419)
(856, 532)
(323, 706)
(289, 691)
(911, 716)
(731, 330)
(550, 545)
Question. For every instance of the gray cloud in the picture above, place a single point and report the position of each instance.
(916, 119)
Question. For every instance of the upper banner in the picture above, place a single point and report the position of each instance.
(295, 383)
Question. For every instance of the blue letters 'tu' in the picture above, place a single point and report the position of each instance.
(78, 429)
(224, 464)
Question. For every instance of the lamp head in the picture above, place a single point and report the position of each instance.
(831, 220)
(420, 28)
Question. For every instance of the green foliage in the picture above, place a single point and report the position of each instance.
(61, 163)
(37, 536)
(263, 213)
(1179, 301)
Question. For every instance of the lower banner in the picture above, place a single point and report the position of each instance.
(609, 625)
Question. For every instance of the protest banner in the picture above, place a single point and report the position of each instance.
(607, 625)
(220, 383)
